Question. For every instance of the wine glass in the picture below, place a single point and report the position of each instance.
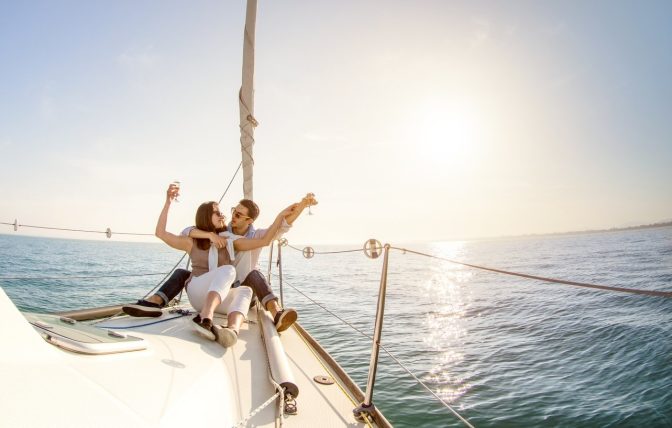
(311, 202)
(176, 183)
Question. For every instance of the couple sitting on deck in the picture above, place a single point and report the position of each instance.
(210, 286)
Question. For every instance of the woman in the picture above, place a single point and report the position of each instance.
(209, 286)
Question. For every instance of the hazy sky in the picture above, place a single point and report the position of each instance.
(410, 120)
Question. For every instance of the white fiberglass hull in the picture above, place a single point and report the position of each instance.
(180, 379)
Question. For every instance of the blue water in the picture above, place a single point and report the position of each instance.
(503, 351)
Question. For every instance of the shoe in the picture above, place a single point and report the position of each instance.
(284, 319)
(143, 309)
(225, 336)
(203, 327)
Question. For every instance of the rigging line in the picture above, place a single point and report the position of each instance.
(667, 294)
(427, 388)
(388, 353)
(231, 181)
(76, 230)
(326, 252)
(64, 277)
(150, 291)
(327, 310)
(245, 149)
(166, 276)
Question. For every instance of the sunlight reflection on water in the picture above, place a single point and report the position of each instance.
(445, 322)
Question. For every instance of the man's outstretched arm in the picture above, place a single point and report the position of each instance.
(307, 201)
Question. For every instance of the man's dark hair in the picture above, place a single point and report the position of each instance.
(252, 208)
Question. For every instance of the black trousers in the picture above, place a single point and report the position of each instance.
(173, 285)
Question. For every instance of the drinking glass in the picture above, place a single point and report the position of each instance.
(176, 183)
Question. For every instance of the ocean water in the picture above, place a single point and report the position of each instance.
(503, 351)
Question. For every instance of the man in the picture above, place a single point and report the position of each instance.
(246, 262)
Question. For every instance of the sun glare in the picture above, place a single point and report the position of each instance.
(449, 134)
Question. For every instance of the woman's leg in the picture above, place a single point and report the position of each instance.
(218, 289)
(236, 304)
(239, 305)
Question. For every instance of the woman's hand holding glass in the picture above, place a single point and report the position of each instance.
(173, 192)
(308, 201)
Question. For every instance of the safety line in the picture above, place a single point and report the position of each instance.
(165, 277)
(326, 252)
(655, 293)
(104, 232)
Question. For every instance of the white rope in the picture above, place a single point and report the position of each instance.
(257, 410)
(281, 391)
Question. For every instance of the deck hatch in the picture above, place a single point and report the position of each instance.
(83, 338)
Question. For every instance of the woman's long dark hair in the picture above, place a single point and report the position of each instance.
(204, 222)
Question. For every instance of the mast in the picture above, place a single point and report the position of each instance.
(246, 100)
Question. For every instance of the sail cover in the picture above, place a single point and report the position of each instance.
(246, 100)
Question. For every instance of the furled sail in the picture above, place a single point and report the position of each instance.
(246, 100)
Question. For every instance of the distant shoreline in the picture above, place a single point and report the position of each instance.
(613, 229)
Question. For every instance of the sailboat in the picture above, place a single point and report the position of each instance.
(96, 367)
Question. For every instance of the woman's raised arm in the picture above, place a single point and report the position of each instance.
(178, 242)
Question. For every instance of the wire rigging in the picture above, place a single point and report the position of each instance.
(327, 252)
(654, 293)
(103, 232)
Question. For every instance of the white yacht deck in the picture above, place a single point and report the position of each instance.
(179, 379)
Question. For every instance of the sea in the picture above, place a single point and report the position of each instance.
(502, 351)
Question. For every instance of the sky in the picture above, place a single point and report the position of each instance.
(411, 121)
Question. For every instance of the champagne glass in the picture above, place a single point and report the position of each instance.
(311, 202)
(176, 183)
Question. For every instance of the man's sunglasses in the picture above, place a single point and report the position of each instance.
(238, 214)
